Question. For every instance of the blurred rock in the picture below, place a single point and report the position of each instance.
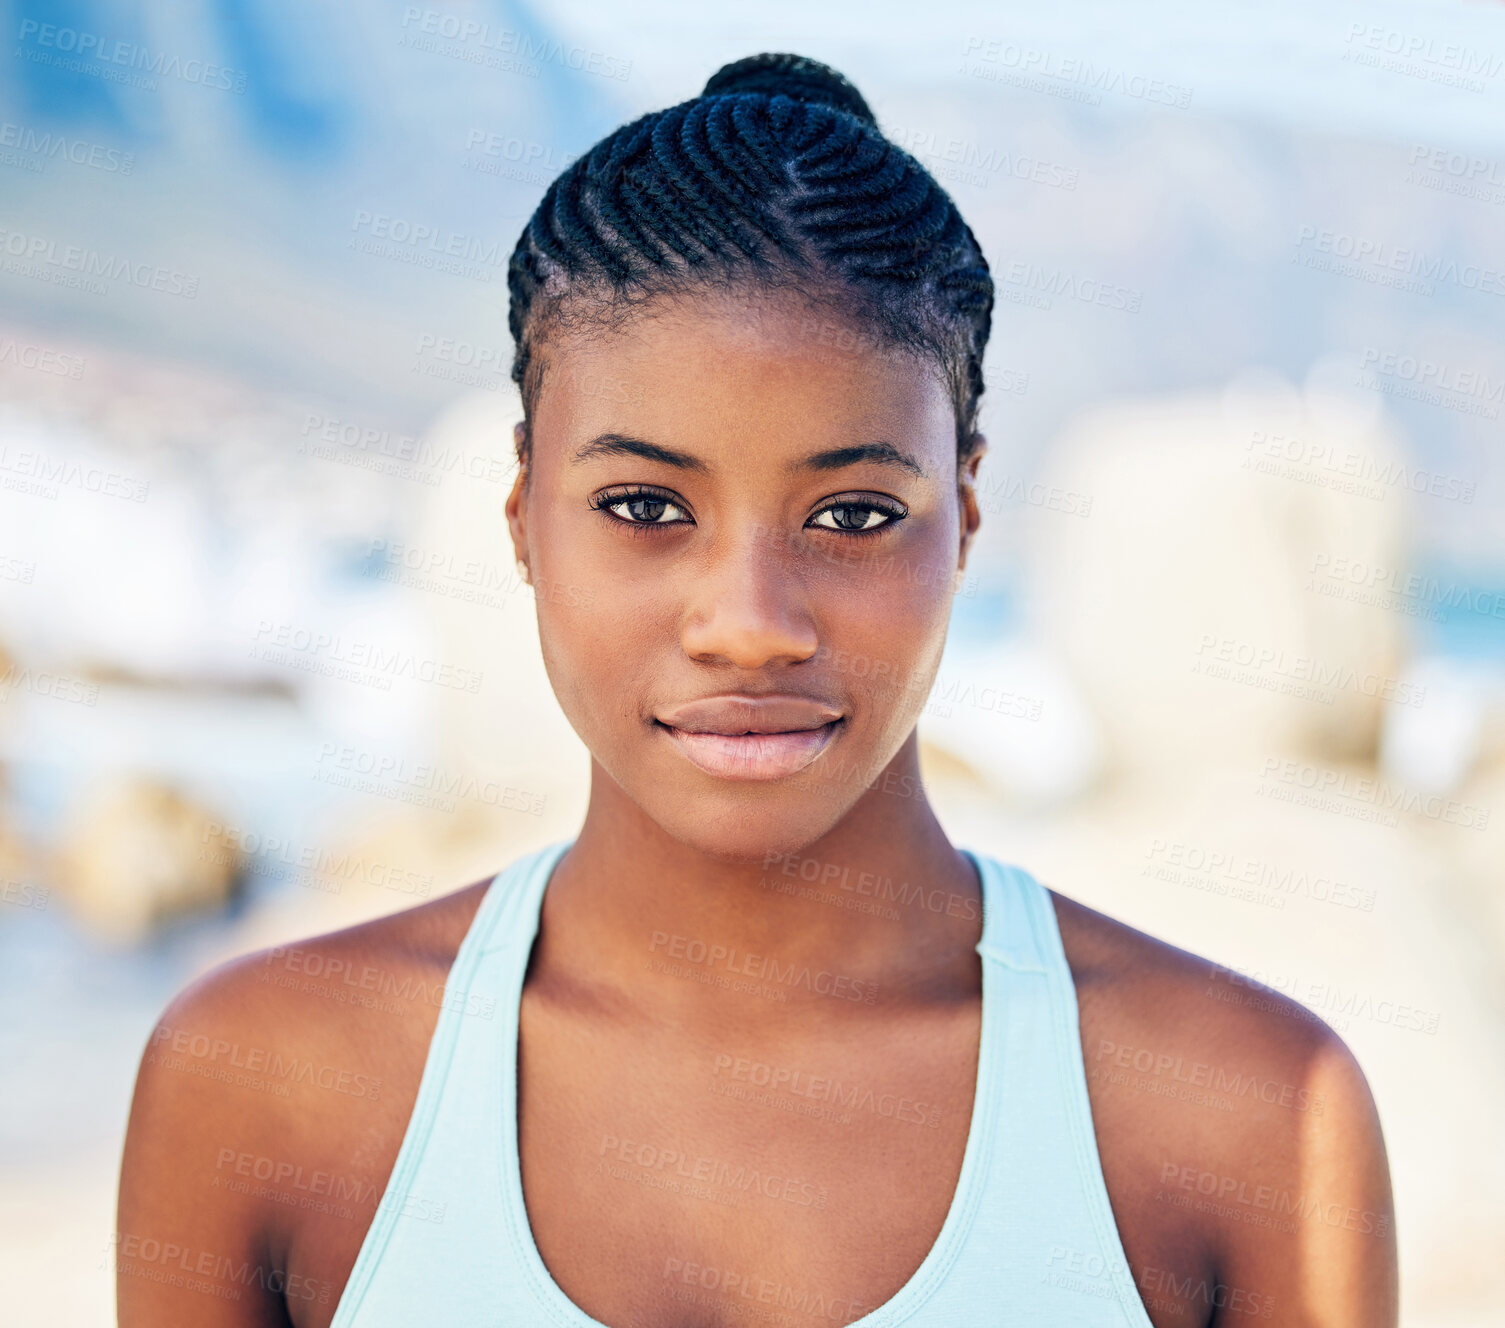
(512, 727)
(1468, 831)
(17, 885)
(138, 853)
(1208, 606)
(380, 865)
(1456, 730)
(1012, 716)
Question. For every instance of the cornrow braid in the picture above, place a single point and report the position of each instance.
(776, 174)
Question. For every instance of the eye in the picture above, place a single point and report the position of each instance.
(641, 507)
(864, 517)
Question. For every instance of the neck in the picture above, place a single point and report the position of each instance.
(879, 908)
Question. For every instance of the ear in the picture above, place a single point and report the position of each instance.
(966, 496)
(516, 506)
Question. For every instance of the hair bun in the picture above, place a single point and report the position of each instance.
(793, 76)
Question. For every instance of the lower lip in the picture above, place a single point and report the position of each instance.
(753, 755)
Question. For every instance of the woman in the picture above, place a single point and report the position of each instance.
(759, 1044)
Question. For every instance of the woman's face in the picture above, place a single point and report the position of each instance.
(738, 497)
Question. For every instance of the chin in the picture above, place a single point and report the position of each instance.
(738, 829)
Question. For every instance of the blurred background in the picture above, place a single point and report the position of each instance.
(1229, 663)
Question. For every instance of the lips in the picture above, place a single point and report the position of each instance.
(751, 737)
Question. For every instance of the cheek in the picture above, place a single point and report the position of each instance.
(884, 628)
(602, 631)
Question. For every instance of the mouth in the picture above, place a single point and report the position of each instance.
(752, 756)
(751, 737)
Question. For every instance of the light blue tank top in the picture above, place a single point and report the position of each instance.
(1029, 1237)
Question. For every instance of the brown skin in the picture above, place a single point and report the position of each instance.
(752, 593)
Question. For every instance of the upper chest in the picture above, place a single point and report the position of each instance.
(823, 1165)
(665, 1176)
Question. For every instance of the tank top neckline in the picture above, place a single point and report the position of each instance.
(1010, 935)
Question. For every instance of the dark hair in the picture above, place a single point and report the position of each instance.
(776, 174)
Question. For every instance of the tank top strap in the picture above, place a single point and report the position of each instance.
(1018, 923)
(1029, 1238)
(512, 904)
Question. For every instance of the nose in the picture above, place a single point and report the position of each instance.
(749, 607)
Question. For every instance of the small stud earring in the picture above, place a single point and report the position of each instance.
(522, 571)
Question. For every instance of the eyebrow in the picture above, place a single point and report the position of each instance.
(834, 458)
(884, 454)
(615, 444)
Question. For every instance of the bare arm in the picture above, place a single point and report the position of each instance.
(267, 1116)
(187, 1250)
(1240, 1141)
(1327, 1259)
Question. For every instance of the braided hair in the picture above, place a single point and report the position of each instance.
(777, 175)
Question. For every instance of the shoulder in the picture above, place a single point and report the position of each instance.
(313, 997)
(1228, 1110)
(1137, 986)
(289, 1063)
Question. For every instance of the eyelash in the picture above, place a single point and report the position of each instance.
(604, 501)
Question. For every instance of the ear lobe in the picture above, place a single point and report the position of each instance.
(966, 482)
(515, 508)
(979, 446)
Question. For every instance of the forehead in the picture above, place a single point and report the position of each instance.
(722, 366)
